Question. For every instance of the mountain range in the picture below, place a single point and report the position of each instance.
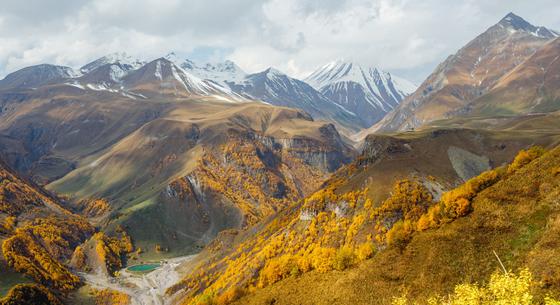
(369, 97)
(350, 186)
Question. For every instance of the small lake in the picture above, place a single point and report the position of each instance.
(144, 268)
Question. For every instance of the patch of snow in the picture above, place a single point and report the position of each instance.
(117, 58)
(75, 84)
(223, 73)
(157, 74)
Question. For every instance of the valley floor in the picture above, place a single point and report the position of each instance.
(143, 289)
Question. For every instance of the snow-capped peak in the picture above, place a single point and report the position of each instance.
(274, 72)
(220, 72)
(515, 23)
(341, 71)
(368, 91)
(126, 62)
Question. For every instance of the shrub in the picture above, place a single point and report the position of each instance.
(322, 259)
(304, 263)
(208, 298)
(365, 251)
(9, 223)
(275, 270)
(107, 296)
(230, 295)
(457, 202)
(344, 258)
(503, 289)
(524, 157)
(400, 233)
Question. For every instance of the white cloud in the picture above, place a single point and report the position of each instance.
(295, 36)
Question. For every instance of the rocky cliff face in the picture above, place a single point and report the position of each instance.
(378, 146)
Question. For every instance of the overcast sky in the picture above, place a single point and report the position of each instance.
(408, 37)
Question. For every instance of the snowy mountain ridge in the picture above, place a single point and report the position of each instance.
(221, 72)
(369, 91)
(345, 93)
(122, 59)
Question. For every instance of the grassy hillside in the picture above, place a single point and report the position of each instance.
(343, 248)
(204, 166)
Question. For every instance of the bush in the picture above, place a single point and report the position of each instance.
(230, 295)
(400, 233)
(457, 202)
(365, 251)
(344, 258)
(277, 269)
(502, 289)
(322, 259)
(113, 297)
(524, 157)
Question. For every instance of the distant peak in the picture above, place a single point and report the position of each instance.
(273, 71)
(171, 56)
(512, 16)
(514, 22)
(340, 63)
(115, 58)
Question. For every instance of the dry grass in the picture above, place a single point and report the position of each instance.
(517, 218)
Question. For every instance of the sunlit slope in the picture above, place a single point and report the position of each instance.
(38, 237)
(369, 206)
(532, 87)
(47, 131)
(468, 74)
(517, 217)
(205, 166)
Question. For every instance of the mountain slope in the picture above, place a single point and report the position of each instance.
(532, 87)
(139, 152)
(365, 208)
(38, 235)
(45, 132)
(205, 167)
(273, 87)
(163, 77)
(169, 77)
(36, 76)
(367, 92)
(469, 73)
(124, 60)
(224, 73)
(120, 73)
(516, 221)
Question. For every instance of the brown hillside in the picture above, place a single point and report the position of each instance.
(352, 218)
(532, 87)
(518, 220)
(467, 74)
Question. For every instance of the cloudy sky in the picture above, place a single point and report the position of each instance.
(408, 37)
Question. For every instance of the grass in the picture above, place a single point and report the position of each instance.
(8, 279)
(516, 218)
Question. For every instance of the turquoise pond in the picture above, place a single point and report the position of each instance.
(143, 267)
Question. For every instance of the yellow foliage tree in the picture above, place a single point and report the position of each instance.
(502, 289)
